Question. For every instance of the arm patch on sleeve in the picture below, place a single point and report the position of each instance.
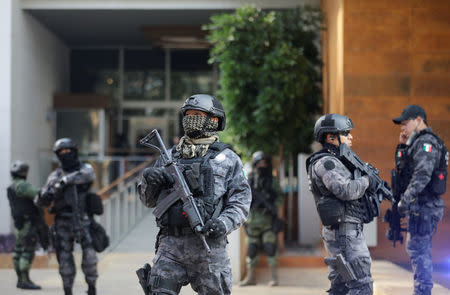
(329, 165)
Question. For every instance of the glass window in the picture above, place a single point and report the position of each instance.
(144, 75)
(83, 127)
(94, 71)
(190, 73)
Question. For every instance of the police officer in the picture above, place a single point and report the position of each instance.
(263, 223)
(25, 215)
(424, 161)
(71, 220)
(336, 194)
(215, 176)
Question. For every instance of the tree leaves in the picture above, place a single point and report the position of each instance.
(269, 81)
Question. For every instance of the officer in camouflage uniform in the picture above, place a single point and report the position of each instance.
(423, 167)
(215, 176)
(336, 193)
(71, 175)
(25, 215)
(263, 223)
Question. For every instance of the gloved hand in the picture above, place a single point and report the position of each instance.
(373, 185)
(158, 178)
(214, 228)
(403, 207)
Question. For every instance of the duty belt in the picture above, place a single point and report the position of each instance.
(177, 231)
(342, 230)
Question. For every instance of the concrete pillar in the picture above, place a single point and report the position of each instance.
(5, 111)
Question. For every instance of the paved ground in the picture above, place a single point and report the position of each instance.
(117, 275)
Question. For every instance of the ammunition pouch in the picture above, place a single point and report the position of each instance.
(100, 240)
(420, 224)
(331, 210)
(438, 182)
(94, 204)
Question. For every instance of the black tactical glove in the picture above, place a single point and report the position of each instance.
(158, 178)
(214, 228)
(373, 185)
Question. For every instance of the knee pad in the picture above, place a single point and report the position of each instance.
(252, 251)
(270, 249)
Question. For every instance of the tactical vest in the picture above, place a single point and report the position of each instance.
(332, 210)
(199, 176)
(22, 209)
(60, 204)
(437, 184)
(261, 191)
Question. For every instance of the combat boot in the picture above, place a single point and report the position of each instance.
(274, 281)
(19, 279)
(91, 290)
(249, 278)
(67, 291)
(26, 283)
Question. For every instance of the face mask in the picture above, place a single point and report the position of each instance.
(194, 126)
(69, 161)
(264, 171)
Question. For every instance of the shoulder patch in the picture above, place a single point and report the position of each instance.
(427, 147)
(329, 165)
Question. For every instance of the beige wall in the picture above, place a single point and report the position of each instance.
(395, 53)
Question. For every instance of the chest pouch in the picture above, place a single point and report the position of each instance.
(438, 182)
(194, 179)
(331, 210)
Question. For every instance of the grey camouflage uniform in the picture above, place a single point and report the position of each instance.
(425, 153)
(64, 228)
(331, 177)
(183, 259)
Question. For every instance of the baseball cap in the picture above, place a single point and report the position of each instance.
(411, 112)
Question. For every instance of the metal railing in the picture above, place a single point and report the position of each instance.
(122, 207)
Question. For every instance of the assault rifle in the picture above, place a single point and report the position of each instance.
(359, 167)
(392, 216)
(260, 200)
(71, 197)
(179, 191)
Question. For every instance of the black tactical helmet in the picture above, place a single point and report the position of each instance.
(19, 169)
(207, 104)
(331, 123)
(260, 155)
(64, 143)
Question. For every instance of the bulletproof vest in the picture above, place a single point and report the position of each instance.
(198, 174)
(438, 181)
(262, 188)
(331, 209)
(21, 208)
(60, 204)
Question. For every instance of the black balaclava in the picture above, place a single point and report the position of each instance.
(197, 126)
(69, 161)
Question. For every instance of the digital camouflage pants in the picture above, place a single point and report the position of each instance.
(183, 260)
(24, 248)
(65, 238)
(352, 245)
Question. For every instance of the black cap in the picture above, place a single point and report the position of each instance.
(411, 112)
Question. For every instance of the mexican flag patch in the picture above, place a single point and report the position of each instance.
(427, 147)
(399, 154)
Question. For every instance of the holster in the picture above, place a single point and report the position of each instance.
(143, 275)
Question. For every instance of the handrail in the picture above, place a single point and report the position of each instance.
(103, 192)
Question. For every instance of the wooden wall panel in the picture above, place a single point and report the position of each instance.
(396, 53)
